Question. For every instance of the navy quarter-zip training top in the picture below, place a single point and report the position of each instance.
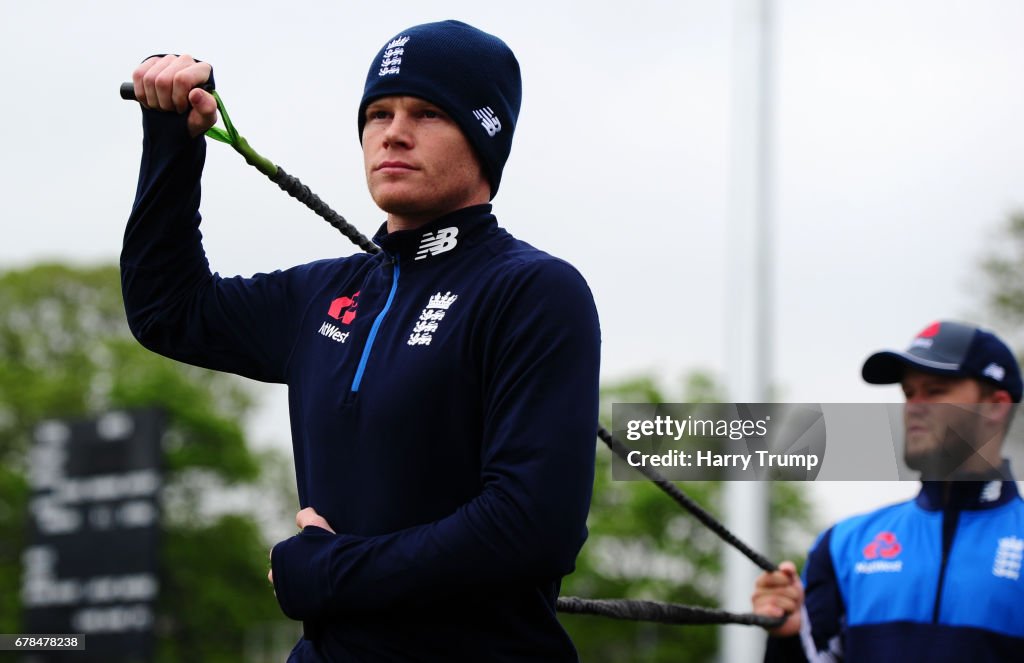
(443, 403)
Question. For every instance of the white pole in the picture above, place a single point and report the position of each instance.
(750, 347)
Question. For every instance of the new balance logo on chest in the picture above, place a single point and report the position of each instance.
(433, 244)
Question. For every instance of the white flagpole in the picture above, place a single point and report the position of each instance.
(749, 302)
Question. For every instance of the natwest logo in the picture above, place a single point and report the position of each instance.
(884, 545)
(344, 309)
(881, 555)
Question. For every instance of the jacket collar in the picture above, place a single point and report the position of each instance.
(970, 493)
(444, 236)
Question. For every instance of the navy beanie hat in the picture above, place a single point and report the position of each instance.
(471, 75)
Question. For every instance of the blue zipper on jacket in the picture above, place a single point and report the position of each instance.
(373, 330)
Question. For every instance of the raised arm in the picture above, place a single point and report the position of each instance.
(174, 304)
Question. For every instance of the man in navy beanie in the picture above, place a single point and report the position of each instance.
(936, 578)
(442, 393)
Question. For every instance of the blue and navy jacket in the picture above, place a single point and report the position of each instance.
(443, 401)
(935, 579)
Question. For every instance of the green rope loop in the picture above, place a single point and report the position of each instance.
(231, 136)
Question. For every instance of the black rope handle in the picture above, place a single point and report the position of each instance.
(660, 612)
(683, 500)
(296, 189)
(288, 183)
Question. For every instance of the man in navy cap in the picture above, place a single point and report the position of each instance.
(937, 578)
(443, 393)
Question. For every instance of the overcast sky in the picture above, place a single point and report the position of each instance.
(898, 152)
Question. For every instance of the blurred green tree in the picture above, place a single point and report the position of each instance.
(66, 351)
(1002, 271)
(644, 546)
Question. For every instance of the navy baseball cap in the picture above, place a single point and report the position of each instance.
(954, 349)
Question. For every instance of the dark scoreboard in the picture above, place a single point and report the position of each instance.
(91, 563)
